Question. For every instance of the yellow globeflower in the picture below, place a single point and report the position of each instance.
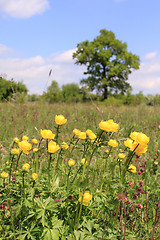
(132, 168)
(71, 162)
(35, 141)
(83, 161)
(16, 139)
(121, 155)
(82, 135)
(4, 175)
(142, 139)
(90, 134)
(25, 138)
(53, 147)
(25, 166)
(35, 149)
(34, 176)
(133, 135)
(60, 119)
(76, 131)
(47, 134)
(14, 151)
(87, 197)
(108, 126)
(113, 143)
(128, 143)
(25, 146)
(140, 149)
(64, 145)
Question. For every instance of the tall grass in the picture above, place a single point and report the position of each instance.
(124, 205)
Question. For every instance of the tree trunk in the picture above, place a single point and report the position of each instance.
(105, 93)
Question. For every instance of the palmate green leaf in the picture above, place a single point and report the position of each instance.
(41, 215)
(50, 234)
(56, 223)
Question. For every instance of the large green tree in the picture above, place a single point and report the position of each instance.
(108, 63)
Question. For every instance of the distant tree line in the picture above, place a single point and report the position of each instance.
(10, 89)
(71, 93)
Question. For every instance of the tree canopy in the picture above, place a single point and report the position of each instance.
(10, 87)
(108, 63)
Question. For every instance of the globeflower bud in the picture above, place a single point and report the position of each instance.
(87, 197)
(4, 175)
(14, 151)
(60, 119)
(16, 140)
(34, 176)
(25, 167)
(71, 162)
(47, 134)
(25, 138)
(113, 143)
(53, 147)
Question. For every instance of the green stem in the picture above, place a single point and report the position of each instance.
(18, 160)
(12, 219)
(11, 168)
(24, 196)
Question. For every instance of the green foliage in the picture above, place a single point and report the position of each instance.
(53, 93)
(108, 63)
(8, 88)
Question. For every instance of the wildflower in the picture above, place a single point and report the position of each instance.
(133, 135)
(4, 175)
(47, 134)
(76, 131)
(140, 206)
(71, 162)
(83, 161)
(82, 135)
(35, 149)
(70, 197)
(25, 146)
(57, 200)
(113, 143)
(25, 138)
(14, 151)
(64, 145)
(132, 168)
(128, 143)
(142, 139)
(90, 134)
(108, 126)
(16, 140)
(121, 155)
(53, 147)
(60, 119)
(35, 141)
(34, 176)
(25, 166)
(87, 197)
(139, 150)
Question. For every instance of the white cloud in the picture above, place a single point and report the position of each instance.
(147, 78)
(150, 56)
(5, 51)
(65, 57)
(23, 8)
(34, 71)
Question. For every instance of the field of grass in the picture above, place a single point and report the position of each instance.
(97, 199)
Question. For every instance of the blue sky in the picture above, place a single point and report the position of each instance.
(39, 35)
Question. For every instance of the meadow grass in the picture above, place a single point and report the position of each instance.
(120, 208)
